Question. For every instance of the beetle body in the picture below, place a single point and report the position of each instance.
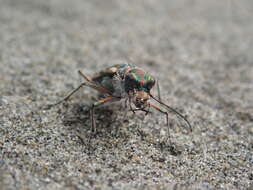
(124, 81)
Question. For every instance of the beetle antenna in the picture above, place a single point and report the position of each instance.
(173, 110)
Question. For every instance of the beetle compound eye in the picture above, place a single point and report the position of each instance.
(150, 84)
(131, 83)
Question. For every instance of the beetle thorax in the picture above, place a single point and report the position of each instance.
(137, 79)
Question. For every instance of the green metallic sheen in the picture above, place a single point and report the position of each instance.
(136, 77)
(147, 78)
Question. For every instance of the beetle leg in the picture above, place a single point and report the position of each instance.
(160, 110)
(139, 109)
(173, 110)
(94, 86)
(126, 100)
(158, 91)
(164, 112)
(100, 89)
(68, 96)
(125, 111)
(130, 105)
(148, 110)
(85, 76)
(98, 103)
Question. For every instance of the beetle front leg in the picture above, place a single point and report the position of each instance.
(95, 104)
(130, 105)
(160, 110)
(164, 112)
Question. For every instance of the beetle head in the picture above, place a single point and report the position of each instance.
(138, 85)
(140, 99)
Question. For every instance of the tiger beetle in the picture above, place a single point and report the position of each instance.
(124, 81)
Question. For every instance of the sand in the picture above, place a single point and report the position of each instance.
(201, 52)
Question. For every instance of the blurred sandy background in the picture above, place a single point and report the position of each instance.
(201, 52)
